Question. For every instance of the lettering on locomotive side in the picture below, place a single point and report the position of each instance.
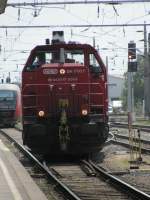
(79, 71)
(54, 71)
(75, 71)
(50, 71)
(64, 79)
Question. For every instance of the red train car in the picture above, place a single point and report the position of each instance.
(10, 104)
(64, 98)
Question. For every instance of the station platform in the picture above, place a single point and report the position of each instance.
(15, 182)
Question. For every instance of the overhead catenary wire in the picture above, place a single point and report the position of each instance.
(73, 25)
(15, 39)
(112, 2)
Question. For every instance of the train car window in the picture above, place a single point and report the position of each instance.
(74, 56)
(7, 95)
(53, 56)
(48, 57)
(71, 56)
(7, 99)
(37, 61)
(94, 64)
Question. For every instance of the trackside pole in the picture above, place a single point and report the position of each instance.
(133, 150)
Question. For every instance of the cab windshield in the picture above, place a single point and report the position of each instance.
(6, 94)
(57, 56)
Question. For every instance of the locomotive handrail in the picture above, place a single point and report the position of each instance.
(100, 105)
(48, 84)
(25, 107)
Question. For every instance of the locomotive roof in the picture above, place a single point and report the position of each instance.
(13, 87)
(64, 45)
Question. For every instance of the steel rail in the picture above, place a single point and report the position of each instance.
(143, 150)
(127, 138)
(132, 191)
(125, 125)
(69, 194)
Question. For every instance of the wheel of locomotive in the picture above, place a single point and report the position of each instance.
(104, 131)
(12, 125)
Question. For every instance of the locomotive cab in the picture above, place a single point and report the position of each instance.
(64, 95)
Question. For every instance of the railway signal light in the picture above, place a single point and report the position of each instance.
(8, 80)
(131, 50)
(132, 66)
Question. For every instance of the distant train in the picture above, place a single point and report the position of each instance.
(10, 104)
(64, 98)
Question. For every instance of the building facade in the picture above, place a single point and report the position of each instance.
(115, 88)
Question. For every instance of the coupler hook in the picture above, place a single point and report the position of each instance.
(63, 131)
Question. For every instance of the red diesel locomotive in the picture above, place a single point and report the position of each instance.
(10, 104)
(64, 98)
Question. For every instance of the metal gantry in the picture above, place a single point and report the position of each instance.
(112, 2)
(74, 26)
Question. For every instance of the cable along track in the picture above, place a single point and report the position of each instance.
(121, 137)
(145, 145)
(143, 128)
(84, 180)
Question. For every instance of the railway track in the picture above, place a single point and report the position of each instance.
(81, 181)
(98, 184)
(135, 126)
(144, 143)
(121, 136)
(14, 138)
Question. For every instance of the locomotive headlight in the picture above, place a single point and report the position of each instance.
(62, 71)
(84, 112)
(41, 113)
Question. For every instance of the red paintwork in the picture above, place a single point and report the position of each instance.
(40, 84)
(18, 112)
(64, 90)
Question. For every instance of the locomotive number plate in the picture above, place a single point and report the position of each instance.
(50, 71)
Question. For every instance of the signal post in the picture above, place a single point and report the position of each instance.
(132, 67)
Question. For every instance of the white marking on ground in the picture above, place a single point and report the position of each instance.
(11, 184)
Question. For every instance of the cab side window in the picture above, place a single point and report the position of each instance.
(94, 65)
(37, 61)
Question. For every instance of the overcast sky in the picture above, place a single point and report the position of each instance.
(112, 42)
